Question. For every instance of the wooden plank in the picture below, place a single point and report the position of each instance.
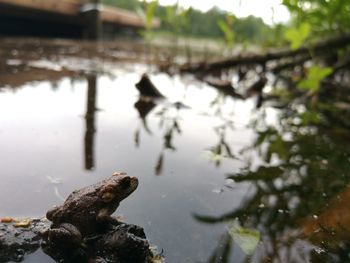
(72, 8)
(64, 7)
(123, 17)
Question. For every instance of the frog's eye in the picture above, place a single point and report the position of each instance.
(107, 197)
(125, 183)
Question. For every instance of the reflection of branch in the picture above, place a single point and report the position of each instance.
(159, 166)
(285, 195)
(168, 136)
(144, 106)
(222, 149)
(263, 173)
(172, 126)
(262, 59)
(223, 251)
(225, 87)
(90, 123)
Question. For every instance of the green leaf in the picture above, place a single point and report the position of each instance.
(246, 239)
(150, 10)
(310, 118)
(277, 146)
(170, 13)
(226, 28)
(314, 77)
(297, 36)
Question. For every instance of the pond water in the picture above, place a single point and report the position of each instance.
(202, 164)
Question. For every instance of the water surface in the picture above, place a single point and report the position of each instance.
(201, 164)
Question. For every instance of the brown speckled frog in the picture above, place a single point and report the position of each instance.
(87, 212)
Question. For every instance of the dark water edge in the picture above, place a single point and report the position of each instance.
(70, 121)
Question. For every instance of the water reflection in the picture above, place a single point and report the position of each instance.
(221, 150)
(144, 106)
(222, 253)
(90, 122)
(300, 189)
(288, 177)
(169, 121)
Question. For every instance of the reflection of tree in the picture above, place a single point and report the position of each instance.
(90, 122)
(222, 149)
(144, 106)
(223, 251)
(313, 169)
(168, 121)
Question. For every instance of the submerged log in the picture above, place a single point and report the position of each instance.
(147, 88)
(261, 59)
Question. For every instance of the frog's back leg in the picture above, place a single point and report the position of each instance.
(66, 235)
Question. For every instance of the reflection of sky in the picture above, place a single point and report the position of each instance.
(42, 148)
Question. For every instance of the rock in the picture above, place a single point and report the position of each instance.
(123, 243)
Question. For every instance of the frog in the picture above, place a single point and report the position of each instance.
(87, 212)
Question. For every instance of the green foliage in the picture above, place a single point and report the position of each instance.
(246, 239)
(297, 36)
(194, 23)
(175, 18)
(324, 16)
(126, 4)
(314, 77)
(226, 26)
(310, 118)
(252, 29)
(147, 16)
(199, 24)
(150, 11)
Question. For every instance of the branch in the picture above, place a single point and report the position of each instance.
(262, 59)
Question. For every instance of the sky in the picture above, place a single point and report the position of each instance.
(271, 11)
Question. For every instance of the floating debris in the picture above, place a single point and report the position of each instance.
(23, 223)
(217, 190)
(6, 220)
(246, 239)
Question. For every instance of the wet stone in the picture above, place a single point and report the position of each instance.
(123, 243)
(16, 242)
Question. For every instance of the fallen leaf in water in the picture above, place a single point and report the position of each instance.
(23, 223)
(6, 220)
(246, 239)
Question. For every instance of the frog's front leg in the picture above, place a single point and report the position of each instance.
(65, 235)
(104, 217)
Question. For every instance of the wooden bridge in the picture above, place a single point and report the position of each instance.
(65, 18)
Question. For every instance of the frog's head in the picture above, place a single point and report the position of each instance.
(118, 187)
